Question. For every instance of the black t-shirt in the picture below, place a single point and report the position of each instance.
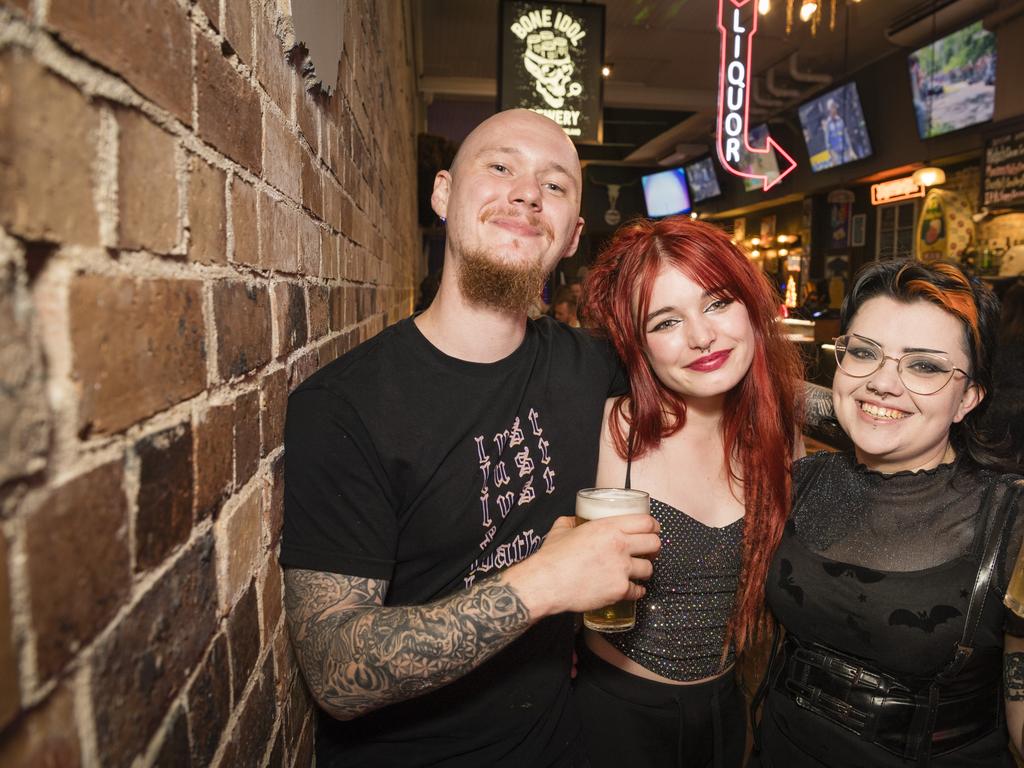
(405, 464)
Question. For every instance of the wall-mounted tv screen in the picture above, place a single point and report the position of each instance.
(665, 193)
(760, 163)
(834, 129)
(953, 81)
(702, 179)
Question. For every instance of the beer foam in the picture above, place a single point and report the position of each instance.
(595, 503)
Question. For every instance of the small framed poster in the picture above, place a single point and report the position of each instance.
(858, 230)
(549, 60)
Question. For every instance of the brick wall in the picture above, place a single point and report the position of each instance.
(185, 234)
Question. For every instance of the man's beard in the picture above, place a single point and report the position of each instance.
(505, 287)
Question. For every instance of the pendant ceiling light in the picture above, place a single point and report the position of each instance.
(763, 6)
(807, 10)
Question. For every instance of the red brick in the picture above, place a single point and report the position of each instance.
(328, 254)
(270, 598)
(318, 299)
(302, 368)
(83, 527)
(138, 345)
(312, 194)
(242, 316)
(10, 695)
(209, 702)
(238, 28)
(147, 42)
(278, 235)
(207, 215)
(147, 185)
(247, 436)
(47, 148)
(214, 459)
(302, 731)
(164, 518)
(289, 317)
(212, 10)
(46, 737)
(24, 412)
(274, 505)
(272, 68)
(244, 223)
(282, 156)
(18, 5)
(273, 404)
(309, 247)
(238, 544)
(244, 639)
(142, 665)
(299, 706)
(307, 112)
(175, 751)
(337, 307)
(229, 108)
(255, 724)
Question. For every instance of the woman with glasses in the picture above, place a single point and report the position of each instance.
(890, 573)
(708, 431)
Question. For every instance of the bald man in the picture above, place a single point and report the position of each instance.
(430, 573)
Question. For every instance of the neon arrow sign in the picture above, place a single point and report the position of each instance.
(734, 96)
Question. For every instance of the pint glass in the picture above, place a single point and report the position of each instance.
(1014, 599)
(593, 504)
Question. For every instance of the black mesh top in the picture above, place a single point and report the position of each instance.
(681, 621)
(882, 566)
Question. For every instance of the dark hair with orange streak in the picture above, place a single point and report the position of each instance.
(760, 419)
(970, 301)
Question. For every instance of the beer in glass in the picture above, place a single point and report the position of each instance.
(593, 504)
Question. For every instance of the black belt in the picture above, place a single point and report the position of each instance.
(883, 709)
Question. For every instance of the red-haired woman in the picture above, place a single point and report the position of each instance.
(709, 431)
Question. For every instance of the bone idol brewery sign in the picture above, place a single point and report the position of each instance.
(737, 26)
(551, 59)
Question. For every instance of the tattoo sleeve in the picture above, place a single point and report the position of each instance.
(819, 418)
(358, 655)
(1013, 676)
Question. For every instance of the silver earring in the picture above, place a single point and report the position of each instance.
(444, 220)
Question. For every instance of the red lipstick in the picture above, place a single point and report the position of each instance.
(711, 362)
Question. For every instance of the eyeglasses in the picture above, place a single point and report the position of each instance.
(923, 373)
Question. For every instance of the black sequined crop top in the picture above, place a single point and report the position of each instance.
(681, 621)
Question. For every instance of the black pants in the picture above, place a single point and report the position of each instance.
(628, 720)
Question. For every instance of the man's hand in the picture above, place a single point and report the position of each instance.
(580, 568)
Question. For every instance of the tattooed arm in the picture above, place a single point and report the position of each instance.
(1013, 687)
(358, 655)
(819, 417)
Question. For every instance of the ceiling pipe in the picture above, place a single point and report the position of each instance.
(762, 101)
(778, 90)
(795, 73)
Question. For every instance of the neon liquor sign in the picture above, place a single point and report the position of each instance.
(733, 131)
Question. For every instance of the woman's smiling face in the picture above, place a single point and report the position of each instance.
(892, 428)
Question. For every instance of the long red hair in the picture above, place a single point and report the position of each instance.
(760, 418)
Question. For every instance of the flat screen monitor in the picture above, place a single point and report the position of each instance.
(760, 163)
(665, 193)
(702, 179)
(953, 81)
(834, 129)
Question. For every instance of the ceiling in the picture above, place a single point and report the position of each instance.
(660, 100)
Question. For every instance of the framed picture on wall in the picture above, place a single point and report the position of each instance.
(858, 230)
(739, 230)
(768, 228)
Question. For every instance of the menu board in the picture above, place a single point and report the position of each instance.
(551, 57)
(1004, 171)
